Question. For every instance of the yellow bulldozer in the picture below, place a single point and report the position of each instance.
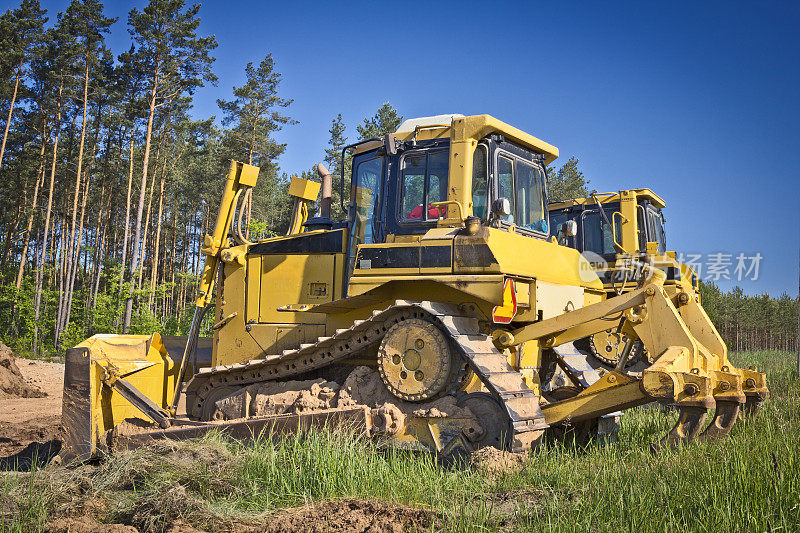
(432, 318)
(617, 233)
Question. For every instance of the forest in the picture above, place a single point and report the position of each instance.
(109, 179)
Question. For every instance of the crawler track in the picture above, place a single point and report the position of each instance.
(489, 363)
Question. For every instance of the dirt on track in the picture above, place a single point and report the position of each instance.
(35, 417)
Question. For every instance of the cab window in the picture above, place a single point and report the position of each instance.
(557, 220)
(480, 187)
(367, 189)
(505, 185)
(597, 235)
(657, 229)
(423, 182)
(522, 184)
(643, 233)
(529, 186)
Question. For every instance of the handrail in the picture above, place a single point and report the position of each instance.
(614, 230)
(454, 202)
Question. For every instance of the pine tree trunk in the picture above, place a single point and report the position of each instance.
(157, 241)
(127, 222)
(126, 325)
(32, 215)
(71, 281)
(145, 240)
(11, 111)
(42, 261)
(73, 254)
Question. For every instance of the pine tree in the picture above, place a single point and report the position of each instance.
(176, 61)
(386, 120)
(21, 30)
(254, 114)
(333, 155)
(567, 182)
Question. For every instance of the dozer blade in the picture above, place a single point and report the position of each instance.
(91, 406)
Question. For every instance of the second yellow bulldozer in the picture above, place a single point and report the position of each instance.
(618, 233)
(433, 317)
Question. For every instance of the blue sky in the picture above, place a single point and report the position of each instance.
(698, 101)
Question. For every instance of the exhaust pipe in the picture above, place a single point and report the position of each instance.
(327, 191)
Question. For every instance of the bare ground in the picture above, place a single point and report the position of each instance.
(24, 420)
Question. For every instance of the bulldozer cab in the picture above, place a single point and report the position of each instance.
(601, 220)
(613, 228)
(403, 186)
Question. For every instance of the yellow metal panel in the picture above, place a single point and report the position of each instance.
(293, 279)
(543, 260)
(305, 189)
(554, 299)
(248, 175)
(479, 126)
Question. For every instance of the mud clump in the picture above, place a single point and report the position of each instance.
(497, 462)
(12, 384)
(354, 515)
(278, 398)
(362, 387)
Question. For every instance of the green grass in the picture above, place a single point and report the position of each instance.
(747, 482)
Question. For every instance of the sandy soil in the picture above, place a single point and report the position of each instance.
(26, 420)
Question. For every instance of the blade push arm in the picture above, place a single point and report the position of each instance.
(241, 177)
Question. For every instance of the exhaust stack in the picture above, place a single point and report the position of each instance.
(327, 191)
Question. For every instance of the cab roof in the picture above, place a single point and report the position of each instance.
(609, 197)
(463, 128)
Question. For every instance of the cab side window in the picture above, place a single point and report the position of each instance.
(423, 182)
(505, 185)
(480, 186)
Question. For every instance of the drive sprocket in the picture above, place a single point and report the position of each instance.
(415, 360)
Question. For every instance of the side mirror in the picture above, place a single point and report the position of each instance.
(501, 207)
(569, 228)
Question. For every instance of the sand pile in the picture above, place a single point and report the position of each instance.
(12, 384)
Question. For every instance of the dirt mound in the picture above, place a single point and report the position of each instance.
(11, 381)
(16, 436)
(353, 515)
(85, 524)
(363, 386)
(494, 462)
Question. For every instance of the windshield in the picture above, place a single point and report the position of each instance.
(424, 182)
(597, 235)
